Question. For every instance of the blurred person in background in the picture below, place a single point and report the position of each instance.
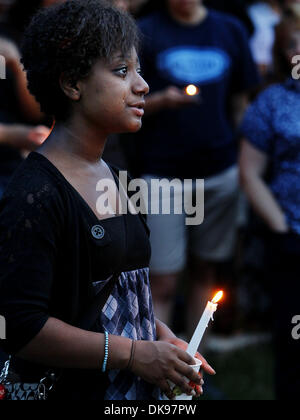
(121, 4)
(135, 6)
(22, 125)
(192, 138)
(237, 8)
(18, 113)
(271, 131)
(20, 14)
(265, 15)
(5, 5)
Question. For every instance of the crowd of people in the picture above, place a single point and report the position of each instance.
(240, 133)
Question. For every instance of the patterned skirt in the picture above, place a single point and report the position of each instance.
(128, 312)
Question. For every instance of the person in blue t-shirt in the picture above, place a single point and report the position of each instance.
(192, 137)
(271, 131)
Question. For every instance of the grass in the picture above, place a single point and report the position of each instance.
(245, 374)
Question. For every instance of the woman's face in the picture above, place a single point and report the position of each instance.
(112, 97)
(183, 7)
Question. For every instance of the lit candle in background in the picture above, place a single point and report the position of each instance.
(208, 313)
(192, 90)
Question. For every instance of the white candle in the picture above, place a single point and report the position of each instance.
(208, 313)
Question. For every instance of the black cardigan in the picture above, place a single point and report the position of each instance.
(49, 257)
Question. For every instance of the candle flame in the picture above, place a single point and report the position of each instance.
(218, 297)
(191, 90)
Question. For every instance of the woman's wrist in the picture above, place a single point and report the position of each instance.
(119, 352)
(163, 332)
(132, 354)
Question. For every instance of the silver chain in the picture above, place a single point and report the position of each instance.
(4, 373)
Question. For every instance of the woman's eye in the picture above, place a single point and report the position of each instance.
(140, 72)
(122, 71)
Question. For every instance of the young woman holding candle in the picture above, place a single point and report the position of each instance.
(271, 133)
(57, 252)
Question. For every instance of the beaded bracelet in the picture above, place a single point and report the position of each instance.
(105, 352)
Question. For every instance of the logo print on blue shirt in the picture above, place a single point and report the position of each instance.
(198, 65)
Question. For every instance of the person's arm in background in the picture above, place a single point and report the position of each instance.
(169, 98)
(253, 163)
(29, 106)
(239, 104)
(23, 137)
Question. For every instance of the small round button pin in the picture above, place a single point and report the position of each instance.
(98, 232)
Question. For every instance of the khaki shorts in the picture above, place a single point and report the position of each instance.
(214, 240)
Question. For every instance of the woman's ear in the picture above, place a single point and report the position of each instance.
(69, 87)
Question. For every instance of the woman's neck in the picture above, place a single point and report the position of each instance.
(70, 142)
(193, 17)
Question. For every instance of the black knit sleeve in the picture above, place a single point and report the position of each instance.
(28, 247)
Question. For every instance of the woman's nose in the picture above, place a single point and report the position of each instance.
(141, 87)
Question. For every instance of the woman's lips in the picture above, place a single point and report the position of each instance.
(138, 108)
(139, 112)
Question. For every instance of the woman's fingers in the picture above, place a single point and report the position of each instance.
(185, 357)
(169, 364)
(205, 366)
(166, 389)
(179, 381)
(187, 371)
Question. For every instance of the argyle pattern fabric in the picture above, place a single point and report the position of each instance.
(128, 312)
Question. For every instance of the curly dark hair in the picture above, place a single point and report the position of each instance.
(68, 39)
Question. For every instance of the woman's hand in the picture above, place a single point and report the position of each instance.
(159, 361)
(205, 366)
(183, 345)
(165, 334)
